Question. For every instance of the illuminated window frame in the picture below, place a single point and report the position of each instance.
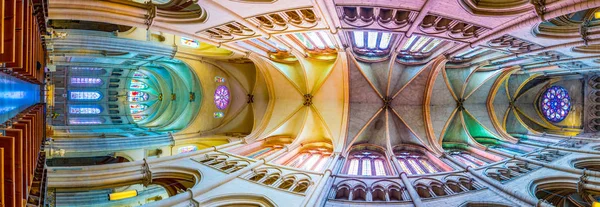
(85, 95)
(190, 42)
(371, 43)
(420, 47)
(85, 82)
(85, 109)
(318, 41)
(416, 163)
(265, 47)
(86, 120)
(367, 163)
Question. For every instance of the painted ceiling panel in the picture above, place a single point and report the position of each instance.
(480, 95)
(292, 125)
(245, 74)
(480, 113)
(413, 117)
(329, 101)
(401, 75)
(294, 73)
(242, 123)
(480, 82)
(374, 133)
(513, 126)
(316, 72)
(530, 95)
(515, 82)
(362, 92)
(440, 95)
(314, 129)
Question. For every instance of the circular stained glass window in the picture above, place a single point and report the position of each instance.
(556, 103)
(222, 97)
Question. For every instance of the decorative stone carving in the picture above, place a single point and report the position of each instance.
(386, 18)
(454, 29)
(228, 31)
(297, 19)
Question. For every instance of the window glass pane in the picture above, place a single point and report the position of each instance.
(311, 162)
(321, 164)
(279, 46)
(250, 47)
(84, 95)
(136, 84)
(404, 166)
(264, 45)
(419, 44)
(328, 40)
(409, 42)
(366, 167)
(379, 169)
(353, 168)
(137, 108)
(315, 39)
(304, 41)
(259, 152)
(428, 166)
(299, 160)
(139, 75)
(137, 96)
(85, 120)
(85, 81)
(413, 164)
(473, 159)
(359, 39)
(433, 44)
(463, 160)
(84, 109)
(186, 149)
(190, 42)
(384, 43)
(372, 40)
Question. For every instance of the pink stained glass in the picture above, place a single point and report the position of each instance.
(222, 97)
(366, 167)
(379, 169)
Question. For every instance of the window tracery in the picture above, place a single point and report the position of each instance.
(416, 163)
(138, 85)
(371, 43)
(86, 82)
(367, 163)
(85, 95)
(85, 109)
(419, 47)
(556, 104)
(137, 96)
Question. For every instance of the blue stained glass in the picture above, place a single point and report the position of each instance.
(83, 109)
(555, 104)
(85, 95)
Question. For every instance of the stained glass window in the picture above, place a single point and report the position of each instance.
(366, 167)
(556, 104)
(190, 42)
(136, 84)
(137, 108)
(83, 109)
(321, 164)
(222, 97)
(218, 114)
(379, 169)
(85, 95)
(137, 96)
(187, 149)
(85, 82)
(311, 162)
(359, 39)
(415, 163)
(419, 47)
(299, 160)
(372, 43)
(138, 117)
(258, 153)
(353, 168)
(85, 120)
(138, 74)
(219, 79)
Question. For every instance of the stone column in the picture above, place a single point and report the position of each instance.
(414, 196)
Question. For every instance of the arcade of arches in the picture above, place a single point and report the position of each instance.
(300, 103)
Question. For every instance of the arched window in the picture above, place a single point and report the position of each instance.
(265, 47)
(84, 109)
(367, 163)
(371, 43)
(468, 159)
(136, 84)
(89, 71)
(137, 96)
(139, 75)
(418, 47)
(415, 163)
(219, 79)
(186, 149)
(137, 108)
(218, 115)
(85, 95)
(86, 82)
(313, 159)
(313, 40)
(138, 117)
(86, 120)
(260, 153)
(190, 42)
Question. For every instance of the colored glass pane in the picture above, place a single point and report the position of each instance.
(187, 149)
(372, 40)
(137, 108)
(189, 42)
(139, 75)
(84, 81)
(222, 97)
(259, 152)
(85, 95)
(85, 120)
(304, 40)
(320, 164)
(137, 96)
(556, 103)
(379, 169)
(84, 109)
(359, 39)
(384, 43)
(311, 162)
(328, 40)
(315, 39)
(136, 84)
(218, 114)
(353, 168)
(219, 79)
(366, 167)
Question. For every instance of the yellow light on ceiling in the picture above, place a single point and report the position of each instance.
(596, 204)
(597, 15)
(122, 195)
